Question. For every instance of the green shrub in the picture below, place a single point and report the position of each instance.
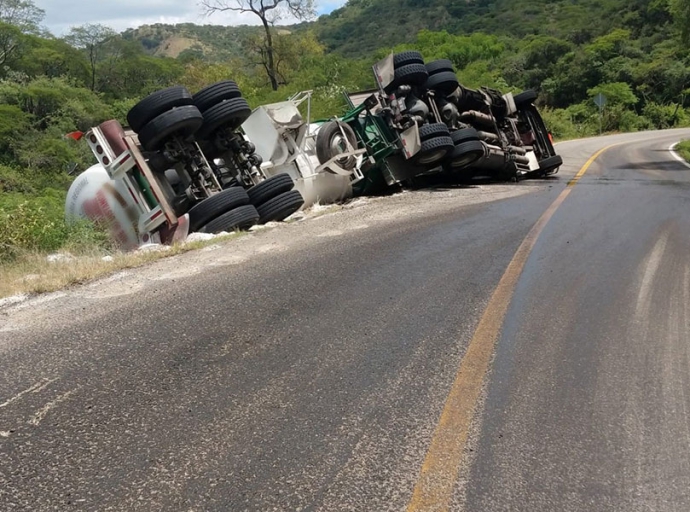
(38, 224)
(683, 150)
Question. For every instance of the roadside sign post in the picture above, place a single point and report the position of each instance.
(600, 101)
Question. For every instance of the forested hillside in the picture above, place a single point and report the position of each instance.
(568, 50)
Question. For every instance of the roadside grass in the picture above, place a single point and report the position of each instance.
(31, 273)
(25, 270)
(683, 149)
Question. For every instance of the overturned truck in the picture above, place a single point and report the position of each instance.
(421, 121)
(207, 162)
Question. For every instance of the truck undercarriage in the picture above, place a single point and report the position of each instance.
(207, 162)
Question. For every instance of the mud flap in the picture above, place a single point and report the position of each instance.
(384, 71)
(411, 142)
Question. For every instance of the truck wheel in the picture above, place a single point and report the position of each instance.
(211, 207)
(183, 121)
(444, 82)
(429, 131)
(464, 135)
(330, 143)
(405, 58)
(155, 104)
(411, 74)
(465, 154)
(227, 114)
(438, 66)
(550, 163)
(525, 98)
(270, 188)
(433, 150)
(241, 218)
(280, 207)
(214, 94)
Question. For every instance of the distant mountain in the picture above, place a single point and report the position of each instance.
(210, 42)
(363, 26)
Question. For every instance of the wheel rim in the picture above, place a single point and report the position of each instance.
(463, 160)
(432, 157)
(338, 145)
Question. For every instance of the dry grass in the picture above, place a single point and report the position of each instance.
(33, 273)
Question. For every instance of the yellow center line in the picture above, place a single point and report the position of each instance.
(439, 473)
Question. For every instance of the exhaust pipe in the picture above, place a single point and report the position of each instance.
(488, 136)
(478, 117)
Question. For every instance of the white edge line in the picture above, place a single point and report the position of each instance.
(674, 153)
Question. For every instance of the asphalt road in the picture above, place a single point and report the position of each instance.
(312, 375)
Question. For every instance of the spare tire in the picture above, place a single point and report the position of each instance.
(330, 143)
(214, 94)
(227, 114)
(429, 131)
(280, 207)
(155, 104)
(439, 65)
(211, 207)
(242, 218)
(525, 98)
(444, 82)
(405, 58)
(180, 121)
(270, 188)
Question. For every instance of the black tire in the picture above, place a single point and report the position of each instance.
(464, 154)
(328, 138)
(429, 131)
(280, 207)
(438, 66)
(525, 98)
(405, 58)
(433, 151)
(228, 114)
(241, 218)
(550, 163)
(444, 82)
(270, 188)
(214, 94)
(155, 104)
(464, 135)
(180, 121)
(216, 205)
(411, 74)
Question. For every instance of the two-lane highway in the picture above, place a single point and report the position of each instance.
(313, 374)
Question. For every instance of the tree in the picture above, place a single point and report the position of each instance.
(17, 18)
(91, 38)
(23, 14)
(680, 10)
(269, 12)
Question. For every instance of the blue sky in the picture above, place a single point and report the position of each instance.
(122, 14)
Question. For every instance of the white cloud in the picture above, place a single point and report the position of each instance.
(123, 14)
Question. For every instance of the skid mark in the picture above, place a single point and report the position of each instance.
(41, 413)
(652, 264)
(39, 386)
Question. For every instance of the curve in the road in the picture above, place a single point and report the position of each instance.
(434, 489)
